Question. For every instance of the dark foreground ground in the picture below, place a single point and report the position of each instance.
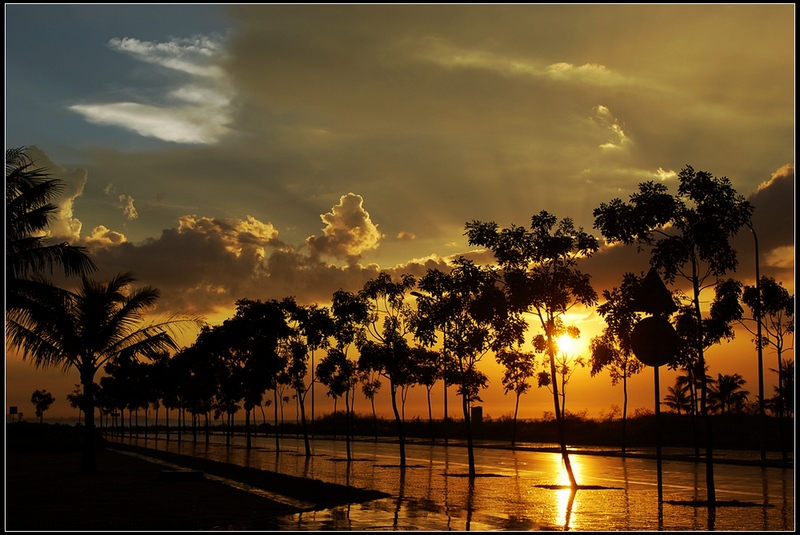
(45, 491)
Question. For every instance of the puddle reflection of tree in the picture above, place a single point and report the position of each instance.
(400, 494)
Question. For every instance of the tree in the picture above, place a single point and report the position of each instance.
(566, 364)
(478, 321)
(727, 394)
(518, 367)
(90, 327)
(612, 350)
(340, 375)
(384, 347)
(75, 399)
(541, 276)
(783, 400)
(41, 399)
(30, 255)
(310, 327)
(688, 235)
(370, 384)
(254, 335)
(346, 324)
(678, 398)
(426, 370)
(775, 306)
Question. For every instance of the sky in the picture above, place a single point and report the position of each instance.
(261, 151)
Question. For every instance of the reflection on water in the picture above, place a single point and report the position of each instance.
(514, 490)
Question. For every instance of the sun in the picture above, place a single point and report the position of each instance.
(567, 344)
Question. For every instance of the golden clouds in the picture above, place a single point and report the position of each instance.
(348, 231)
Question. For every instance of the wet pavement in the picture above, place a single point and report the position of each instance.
(513, 490)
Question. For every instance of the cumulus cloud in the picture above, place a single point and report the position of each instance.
(194, 112)
(63, 226)
(348, 231)
(103, 237)
(248, 237)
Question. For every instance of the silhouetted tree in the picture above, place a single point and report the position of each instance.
(254, 335)
(541, 277)
(727, 394)
(518, 368)
(75, 399)
(566, 364)
(310, 327)
(689, 237)
(41, 399)
(370, 384)
(384, 347)
(776, 309)
(30, 252)
(87, 329)
(783, 400)
(340, 375)
(426, 370)
(612, 350)
(678, 398)
(479, 322)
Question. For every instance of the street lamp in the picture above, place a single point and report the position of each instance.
(761, 414)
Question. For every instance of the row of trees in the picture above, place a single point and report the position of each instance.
(461, 316)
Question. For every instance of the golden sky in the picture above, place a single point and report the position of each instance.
(261, 151)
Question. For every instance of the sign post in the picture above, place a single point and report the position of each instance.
(655, 342)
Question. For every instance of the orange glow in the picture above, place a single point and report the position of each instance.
(569, 346)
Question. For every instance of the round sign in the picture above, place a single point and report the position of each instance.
(654, 341)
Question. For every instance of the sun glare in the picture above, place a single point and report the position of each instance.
(568, 345)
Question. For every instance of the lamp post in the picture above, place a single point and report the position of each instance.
(761, 414)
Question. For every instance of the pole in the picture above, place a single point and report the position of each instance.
(761, 413)
(658, 437)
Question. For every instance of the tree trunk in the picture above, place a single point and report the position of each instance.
(400, 431)
(562, 436)
(302, 402)
(710, 490)
(514, 428)
(624, 408)
(88, 461)
(468, 424)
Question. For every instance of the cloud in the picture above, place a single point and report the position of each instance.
(194, 112)
(195, 55)
(63, 226)
(127, 206)
(348, 231)
(405, 236)
(442, 52)
(774, 222)
(604, 118)
(103, 237)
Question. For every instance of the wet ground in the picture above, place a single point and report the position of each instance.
(513, 490)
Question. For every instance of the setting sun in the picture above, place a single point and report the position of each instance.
(569, 345)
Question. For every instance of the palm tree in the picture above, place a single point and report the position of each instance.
(29, 211)
(727, 394)
(679, 398)
(89, 328)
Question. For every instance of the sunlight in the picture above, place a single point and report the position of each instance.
(568, 345)
(565, 497)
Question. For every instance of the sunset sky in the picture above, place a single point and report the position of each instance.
(260, 151)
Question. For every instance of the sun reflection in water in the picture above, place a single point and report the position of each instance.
(567, 501)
